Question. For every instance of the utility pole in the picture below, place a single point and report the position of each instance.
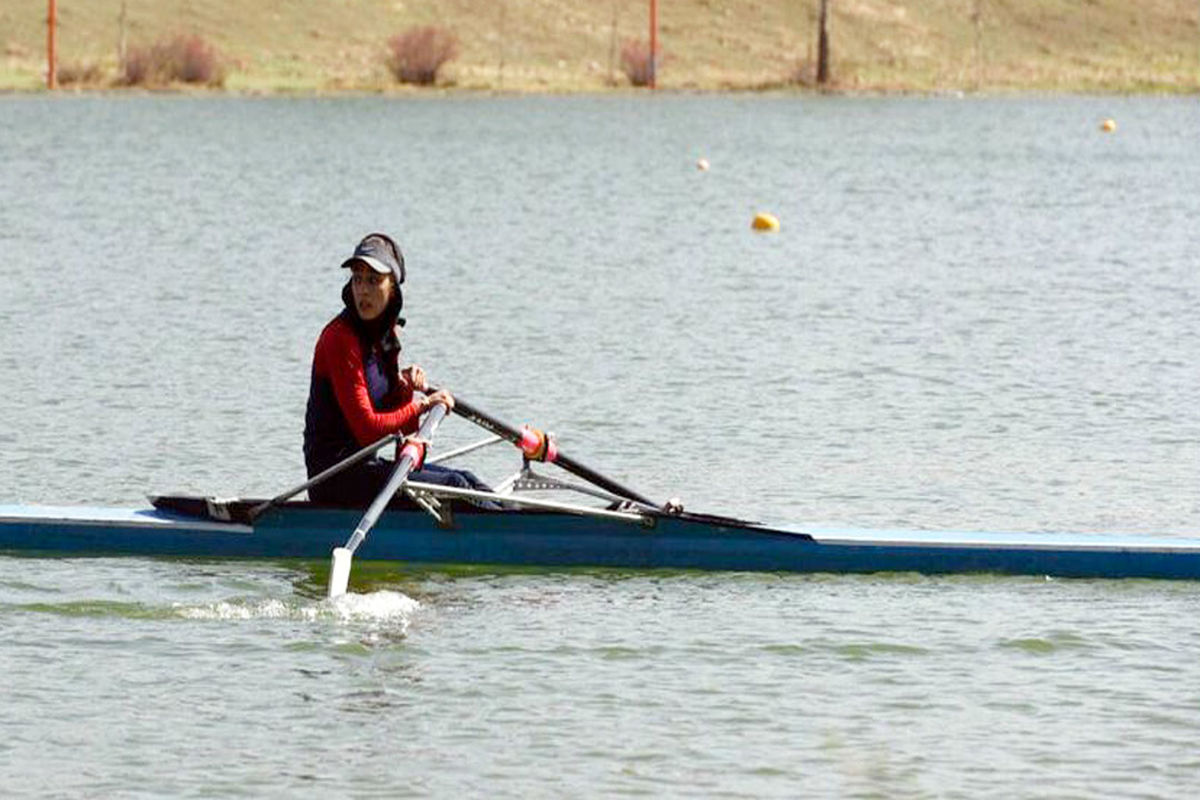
(52, 46)
(823, 45)
(653, 44)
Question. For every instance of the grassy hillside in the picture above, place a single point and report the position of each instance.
(570, 45)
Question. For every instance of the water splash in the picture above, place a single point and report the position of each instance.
(382, 606)
(387, 607)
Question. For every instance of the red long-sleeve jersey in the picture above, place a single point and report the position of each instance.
(352, 400)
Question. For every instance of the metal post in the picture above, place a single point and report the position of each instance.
(52, 46)
(612, 47)
(503, 42)
(653, 44)
(823, 45)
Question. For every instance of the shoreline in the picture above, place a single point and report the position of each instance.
(452, 91)
(557, 47)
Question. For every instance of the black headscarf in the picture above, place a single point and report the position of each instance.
(381, 332)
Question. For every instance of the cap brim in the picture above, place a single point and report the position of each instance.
(373, 263)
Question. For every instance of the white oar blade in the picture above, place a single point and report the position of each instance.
(339, 572)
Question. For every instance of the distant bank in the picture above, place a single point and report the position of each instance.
(568, 45)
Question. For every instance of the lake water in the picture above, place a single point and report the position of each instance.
(979, 314)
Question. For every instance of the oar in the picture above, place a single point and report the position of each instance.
(514, 435)
(410, 457)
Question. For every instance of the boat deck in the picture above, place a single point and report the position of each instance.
(116, 517)
(1000, 539)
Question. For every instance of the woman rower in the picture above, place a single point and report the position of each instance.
(358, 393)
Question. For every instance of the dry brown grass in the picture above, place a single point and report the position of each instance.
(1115, 45)
(84, 74)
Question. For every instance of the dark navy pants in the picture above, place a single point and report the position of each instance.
(362, 483)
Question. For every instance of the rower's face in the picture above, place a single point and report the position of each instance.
(372, 291)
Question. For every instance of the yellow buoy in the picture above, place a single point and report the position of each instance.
(1108, 126)
(767, 223)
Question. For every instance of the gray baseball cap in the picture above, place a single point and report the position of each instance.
(379, 252)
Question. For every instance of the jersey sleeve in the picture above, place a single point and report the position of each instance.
(341, 355)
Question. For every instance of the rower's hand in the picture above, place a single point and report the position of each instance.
(415, 377)
(440, 396)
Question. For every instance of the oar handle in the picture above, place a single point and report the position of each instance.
(512, 434)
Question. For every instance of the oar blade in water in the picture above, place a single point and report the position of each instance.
(339, 572)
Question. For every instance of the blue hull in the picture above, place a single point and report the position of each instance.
(550, 539)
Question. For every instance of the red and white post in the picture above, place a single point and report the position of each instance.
(653, 44)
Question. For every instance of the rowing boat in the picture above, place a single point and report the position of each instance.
(203, 527)
(515, 525)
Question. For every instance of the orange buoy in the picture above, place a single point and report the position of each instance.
(1109, 125)
(765, 223)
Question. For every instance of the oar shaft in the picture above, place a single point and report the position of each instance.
(403, 469)
(325, 474)
(588, 474)
(512, 434)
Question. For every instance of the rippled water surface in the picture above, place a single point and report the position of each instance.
(979, 314)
